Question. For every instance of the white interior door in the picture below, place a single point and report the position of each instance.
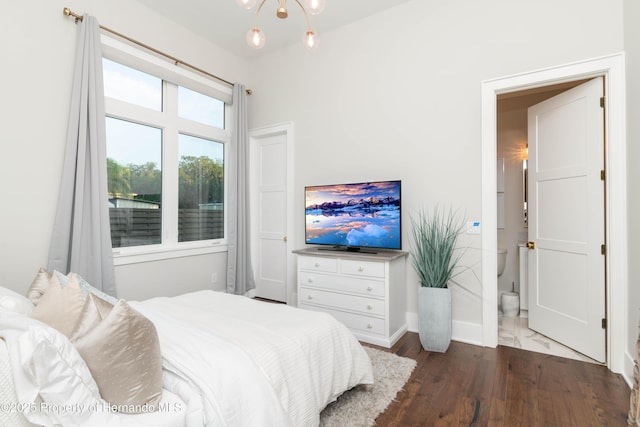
(566, 219)
(270, 244)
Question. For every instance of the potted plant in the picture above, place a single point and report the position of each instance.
(436, 260)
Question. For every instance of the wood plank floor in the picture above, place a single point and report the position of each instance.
(478, 386)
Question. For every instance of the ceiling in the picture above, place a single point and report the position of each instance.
(225, 24)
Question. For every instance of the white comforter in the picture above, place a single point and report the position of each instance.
(228, 361)
(240, 362)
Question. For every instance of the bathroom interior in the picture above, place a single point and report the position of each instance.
(512, 234)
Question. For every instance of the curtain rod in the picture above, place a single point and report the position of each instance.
(69, 12)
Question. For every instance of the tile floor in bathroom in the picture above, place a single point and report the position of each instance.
(514, 332)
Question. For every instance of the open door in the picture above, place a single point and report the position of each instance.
(567, 219)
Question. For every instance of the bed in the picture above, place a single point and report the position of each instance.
(225, 360)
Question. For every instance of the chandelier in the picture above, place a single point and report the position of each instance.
(255, 36)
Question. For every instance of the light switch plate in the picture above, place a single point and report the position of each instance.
(473, 227)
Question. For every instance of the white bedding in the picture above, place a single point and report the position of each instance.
(254, 363)
(21, 341)
(227, 361)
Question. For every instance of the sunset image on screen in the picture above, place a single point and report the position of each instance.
(356, 215)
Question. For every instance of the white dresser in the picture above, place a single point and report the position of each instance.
(366, 292)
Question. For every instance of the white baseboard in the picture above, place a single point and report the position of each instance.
(628, 369)
(466, 332)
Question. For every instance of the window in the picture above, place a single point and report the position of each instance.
(134, 176)
(200, 189)
(165, 160)
(201, 108)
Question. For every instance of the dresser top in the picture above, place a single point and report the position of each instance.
(365, 254)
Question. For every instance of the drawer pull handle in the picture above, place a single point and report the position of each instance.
(369, 326)
(309, 297)
(369, 307)
(310, 280)
(369, 288)
(317, 264)
(361, 268)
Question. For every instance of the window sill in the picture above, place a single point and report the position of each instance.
(141, 254)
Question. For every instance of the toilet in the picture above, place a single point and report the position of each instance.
(502, 260)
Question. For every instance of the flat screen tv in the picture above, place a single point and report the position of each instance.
(354, 216)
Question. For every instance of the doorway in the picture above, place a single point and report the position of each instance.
(612, 69)
(516, 144)
(271, 213)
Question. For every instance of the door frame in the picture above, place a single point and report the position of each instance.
(255, 135)
(612, 68)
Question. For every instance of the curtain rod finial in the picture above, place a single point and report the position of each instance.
(68, 12)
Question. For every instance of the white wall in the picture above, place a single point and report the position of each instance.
(171, 277)
(38, 47)
(397, 95)
(632, 48)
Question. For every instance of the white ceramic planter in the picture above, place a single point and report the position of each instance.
(434, 318)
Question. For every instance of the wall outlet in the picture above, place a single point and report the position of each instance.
(214, 277)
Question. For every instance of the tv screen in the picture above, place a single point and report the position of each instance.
(353, 216)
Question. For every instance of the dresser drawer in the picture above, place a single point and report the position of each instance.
(329, 265)
(353, 321)
(362, 268)
(362, 286)
(342, 301)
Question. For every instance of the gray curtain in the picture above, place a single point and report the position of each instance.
(81, 240)
(239, 270)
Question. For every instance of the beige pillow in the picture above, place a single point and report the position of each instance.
(60, 307)
(39, 286)
(122, 350)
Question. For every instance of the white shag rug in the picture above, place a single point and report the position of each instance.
(360, 406)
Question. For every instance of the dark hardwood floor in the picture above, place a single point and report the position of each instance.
(478, 386)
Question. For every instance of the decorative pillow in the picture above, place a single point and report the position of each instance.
(122, 350)
(85, 287)
(14, 302)
(39, 286)
(60, 307)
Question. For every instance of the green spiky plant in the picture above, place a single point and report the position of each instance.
(434, 257)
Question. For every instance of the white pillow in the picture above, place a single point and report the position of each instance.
(47, 368)
(14, 302)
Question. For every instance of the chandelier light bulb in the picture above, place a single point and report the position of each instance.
(255, 38)
(314, 7)
(246, 4)
(310, 40)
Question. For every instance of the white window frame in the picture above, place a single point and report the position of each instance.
(171, 125)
